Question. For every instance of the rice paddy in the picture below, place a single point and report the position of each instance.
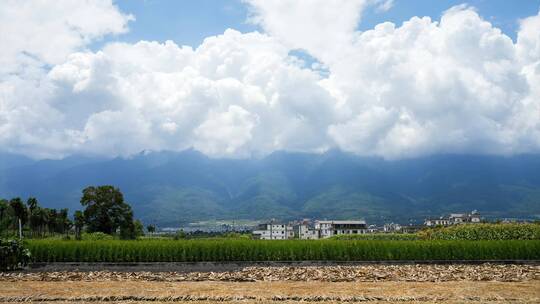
(289, 250)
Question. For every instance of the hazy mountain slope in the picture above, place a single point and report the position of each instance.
(168, 188)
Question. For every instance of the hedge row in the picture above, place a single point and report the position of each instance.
(249, 250)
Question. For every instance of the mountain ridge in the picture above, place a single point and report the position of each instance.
(173, 188)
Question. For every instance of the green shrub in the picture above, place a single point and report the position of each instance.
(474, 232)
(289, 250)
(13, 255)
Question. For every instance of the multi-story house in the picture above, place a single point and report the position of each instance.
(306, 231)
(327, 228)
(274, 231)
(392, 227)
(454, 219)
(441, 221)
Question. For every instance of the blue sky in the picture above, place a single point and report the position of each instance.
(189, 22)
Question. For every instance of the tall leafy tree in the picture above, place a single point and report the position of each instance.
(78, 219)
(106, 211)
(151, 228)
(51, 219)
(35, 216)
(63, 221)
(6, 215)
(19, 210)
(32, 204)
(4, 205)
(38, 220)
(139, 228)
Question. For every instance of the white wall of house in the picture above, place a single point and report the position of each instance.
(305, 232)
(454, 219)
(274, 232)
(321, 229)
(331, 228)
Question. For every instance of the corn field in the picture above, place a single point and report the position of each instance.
(289, 250)
(475, 232)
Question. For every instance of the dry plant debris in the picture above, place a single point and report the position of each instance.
(367, 273)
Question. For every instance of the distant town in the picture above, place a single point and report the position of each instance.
(313, 229)
(321, 229)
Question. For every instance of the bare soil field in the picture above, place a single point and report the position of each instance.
(343, 284)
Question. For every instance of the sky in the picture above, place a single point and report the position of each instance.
(395, 79)
(189, 22)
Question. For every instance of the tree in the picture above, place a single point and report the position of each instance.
(139, 228)
(32, 204)
(151, 228)
(19, 210)
(78, 219)
(106, 211)
(6, 215)
(38, 220)
(35, 215)
(4, 209)
(51, 219)
(63, 222)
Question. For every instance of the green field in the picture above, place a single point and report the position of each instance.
(251, 250)
(485, 231)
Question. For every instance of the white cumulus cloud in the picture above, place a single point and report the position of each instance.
(454, 85)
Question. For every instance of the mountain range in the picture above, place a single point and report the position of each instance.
(175, 188)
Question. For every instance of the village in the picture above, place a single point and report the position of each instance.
(307, 229)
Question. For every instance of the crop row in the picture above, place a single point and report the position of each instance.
(249, 250)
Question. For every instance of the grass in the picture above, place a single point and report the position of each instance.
(290, 250)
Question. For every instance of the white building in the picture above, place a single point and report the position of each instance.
(305, 231)
(442, 221)
(392, 227)
(454, 219)
(327, 229)
(372, 229)
(274, 231)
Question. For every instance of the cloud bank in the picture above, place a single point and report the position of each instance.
(454, 85)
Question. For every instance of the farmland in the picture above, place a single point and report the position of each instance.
(450, 267)
(484, 231)
(289, 250)
(455, 282)
(485, 283)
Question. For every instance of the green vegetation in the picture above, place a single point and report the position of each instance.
(35, 220)
(378, 237)
(474, 232)
(13, 255)
(107, 212)
(96, 236)
(249, 250)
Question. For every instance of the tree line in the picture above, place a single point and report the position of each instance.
(38, 220)
(104, 211)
